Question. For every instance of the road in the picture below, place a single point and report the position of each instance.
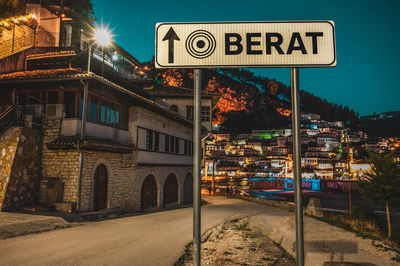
(160, 238)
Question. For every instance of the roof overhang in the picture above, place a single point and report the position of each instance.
(142, 101)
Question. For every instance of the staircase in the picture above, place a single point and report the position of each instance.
(12, 43)
(10, 116)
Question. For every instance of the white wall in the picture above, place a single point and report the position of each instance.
(143, 118)
(182, 103)
(72, 127)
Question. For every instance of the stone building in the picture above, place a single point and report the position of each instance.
(180, 100)
(134, 154)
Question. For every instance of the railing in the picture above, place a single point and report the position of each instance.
(22, 39)
(17, 116)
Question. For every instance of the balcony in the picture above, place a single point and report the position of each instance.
(72, 127)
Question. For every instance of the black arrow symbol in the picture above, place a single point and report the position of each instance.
(171, 36)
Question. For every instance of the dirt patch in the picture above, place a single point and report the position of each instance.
(237, 243)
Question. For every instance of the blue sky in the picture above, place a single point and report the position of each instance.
(367, 40)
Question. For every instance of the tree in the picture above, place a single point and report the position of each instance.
(383, 183)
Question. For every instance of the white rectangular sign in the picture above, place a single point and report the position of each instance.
(245, 44)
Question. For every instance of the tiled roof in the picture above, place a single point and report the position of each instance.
(51, 55)
(40, 74)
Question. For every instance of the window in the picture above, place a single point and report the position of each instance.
(52, 97)
(152, 140)
(167, 138)
(189, 112)
(69, 100)
(172, 146)
(205, 113)
(174, 108)
(176, 145)
(188, 147)
(103, 112)
(149, 140)
(156, 141)
(93, 108)
(111, 112)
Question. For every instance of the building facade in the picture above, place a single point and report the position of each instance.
(124, 150)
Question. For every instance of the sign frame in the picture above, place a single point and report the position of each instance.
(330, 22)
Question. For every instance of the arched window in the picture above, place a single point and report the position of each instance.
(174, 108)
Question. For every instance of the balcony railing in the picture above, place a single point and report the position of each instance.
(17, 116)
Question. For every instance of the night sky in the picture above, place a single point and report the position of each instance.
(367, 40)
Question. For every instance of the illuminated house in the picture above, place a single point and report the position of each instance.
(180, 100)
(359, 169)
(134, 153)
(270, 133)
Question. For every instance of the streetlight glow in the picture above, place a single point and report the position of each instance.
(102, 36)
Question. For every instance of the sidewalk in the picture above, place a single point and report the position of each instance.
(15, 224)
(18, 223)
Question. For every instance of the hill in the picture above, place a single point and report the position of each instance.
(383, 125)
(250, 101)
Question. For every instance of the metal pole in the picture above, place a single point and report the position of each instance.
(294, 78)
(102, 63)
(89, 57)
(213, 176)
(84, 109)
(348, 171)
(196, 168)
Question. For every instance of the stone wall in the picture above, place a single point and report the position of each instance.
(119, 169)
(58, 165)
(125, 176)
(160, 173)
(125, 179)
(19, 167)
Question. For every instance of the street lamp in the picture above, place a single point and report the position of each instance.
(102, 37)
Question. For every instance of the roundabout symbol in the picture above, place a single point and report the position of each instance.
(200, 44)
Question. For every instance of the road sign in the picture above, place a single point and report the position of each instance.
(245, 44)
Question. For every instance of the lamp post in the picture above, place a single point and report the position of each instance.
(102, 37)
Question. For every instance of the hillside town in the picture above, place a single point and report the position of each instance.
(330, 152)
(89, 132)
(51, 70)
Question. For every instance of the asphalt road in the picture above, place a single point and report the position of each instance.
(160, 238)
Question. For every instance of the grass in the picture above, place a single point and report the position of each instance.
(227, 253)
(267, 259)
(363, 227)
(243, 226)
(368, 225)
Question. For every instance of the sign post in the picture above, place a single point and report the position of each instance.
(294, 84)
(290, 44)
(197, 169)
